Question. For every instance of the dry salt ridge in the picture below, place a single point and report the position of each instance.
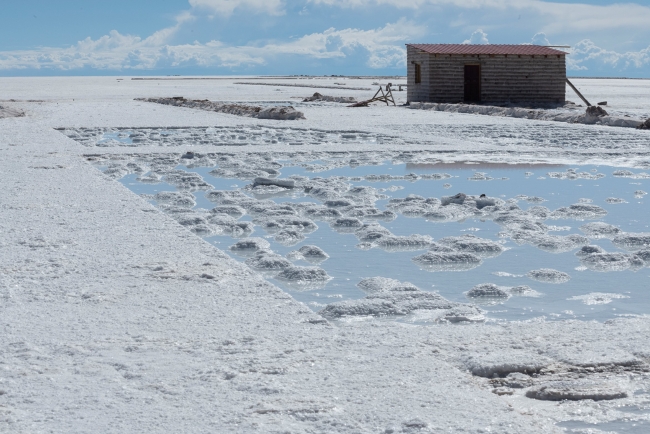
(119, 315)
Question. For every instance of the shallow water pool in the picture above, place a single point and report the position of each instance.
(582, 291)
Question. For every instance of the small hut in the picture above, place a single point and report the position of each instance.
(454, 73)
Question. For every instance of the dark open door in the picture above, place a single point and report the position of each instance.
(472, 83)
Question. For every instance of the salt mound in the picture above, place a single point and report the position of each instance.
(435, 247)
(458, 199)
(644, 255)
(346, 224)
(375, 285)
(540, 212)
(560, 244)
(244, 174)
(449, 213)
(338, 203)
(239, 229)
(531, 199)
(371, 232)
(579, 211)
(279, 113)
(633, 241)
(600, 230)
(482, 202)
(395, 243)
(265, 261)
(481, 247)
(304, 277)
(276, 224)
(217, 196)
(387, 215)
(269, 209)
(190, 219)
(432, 261)
(572, 174)
(313, 254)
(289, 237)
(588, 250)
(230, 210)
(204, 230)
(628, 174)
(416, 210)
(322, 213)
(186, 180)
(318, 97)
(249, 246)
(181, 199)
(575, 390)
(549, 275)
(523, 290)
(116, 171)
(503, 364)
(284, 183)
(611, 262)
(487, 291)
(389, 297)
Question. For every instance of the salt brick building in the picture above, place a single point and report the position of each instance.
(454, 73)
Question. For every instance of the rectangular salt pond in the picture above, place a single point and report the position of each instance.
(587, 295)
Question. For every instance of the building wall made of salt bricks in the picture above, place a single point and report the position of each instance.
(512, 78)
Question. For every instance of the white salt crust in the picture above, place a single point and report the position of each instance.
(116, 318)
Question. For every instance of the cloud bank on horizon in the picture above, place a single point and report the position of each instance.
(329, 36)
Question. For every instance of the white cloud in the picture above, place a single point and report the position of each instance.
(227, 7)
(540, 39)
(380, 48)
(585, 54)
(478, 37)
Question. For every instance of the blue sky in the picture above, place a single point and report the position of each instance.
(206, 37)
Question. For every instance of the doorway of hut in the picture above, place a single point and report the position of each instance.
(472, 83)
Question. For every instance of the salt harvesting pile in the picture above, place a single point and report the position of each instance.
(212, 267)
(570, 113)
(280, 113)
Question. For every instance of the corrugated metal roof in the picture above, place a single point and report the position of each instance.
(486, 49)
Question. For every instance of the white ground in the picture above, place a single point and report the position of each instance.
(116, 319)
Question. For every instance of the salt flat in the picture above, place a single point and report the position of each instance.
(117, 319)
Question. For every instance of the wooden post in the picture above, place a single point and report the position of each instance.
(578, 93)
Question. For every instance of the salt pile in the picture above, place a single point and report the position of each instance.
(389, 297)
(549, 275)
(341, 99)
(303, 278)
(250, 246)
(575, 390)
(559, 115)
(600, 230)
(487, 291)
(612, 262)
(266, 261)
(632, 241)
(309, 253)
(440, 261)
(8, 112)
(481, 247)
(280, 113)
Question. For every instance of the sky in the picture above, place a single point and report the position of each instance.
(312, 37)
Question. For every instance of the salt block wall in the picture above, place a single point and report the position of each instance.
(420, 92)
(512, 78)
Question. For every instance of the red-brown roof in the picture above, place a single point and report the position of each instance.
(486, 49)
